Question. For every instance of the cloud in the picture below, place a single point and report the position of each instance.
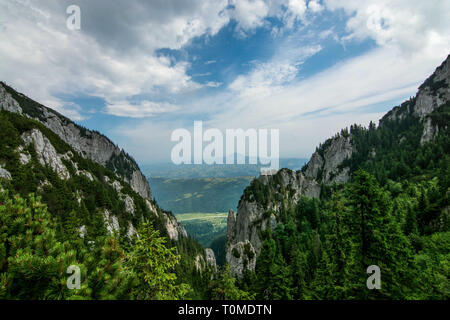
(249, 13)
(315, 6)
(141, 110)
(114, 57)
(296, 10)
(266, 78)
(111, 57)
(213, 84)
(410, 25)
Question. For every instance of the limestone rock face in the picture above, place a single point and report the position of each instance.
(140, 184)
(210, 258)
(205, 261)
(432, 94)
(46, 153)
(4, 174)
(174, 228)
(244, 230)
(7, 102)
(89, 144)
(111, 222)
(430, 131)
(327, 168)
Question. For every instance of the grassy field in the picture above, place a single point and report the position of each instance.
(200, 194)
(205, 227)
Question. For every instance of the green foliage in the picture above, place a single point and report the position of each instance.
(154, 264)
(74, 204)
(321, 250)
(202, 195)
(224, 287)
(204, 227)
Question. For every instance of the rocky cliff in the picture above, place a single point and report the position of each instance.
(89, 145)
(263, 201)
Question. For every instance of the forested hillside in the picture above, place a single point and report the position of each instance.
(369, 196)
(60, 208)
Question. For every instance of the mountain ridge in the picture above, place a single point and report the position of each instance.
(333, 162)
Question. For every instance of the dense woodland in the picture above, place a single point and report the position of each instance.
(394, 213)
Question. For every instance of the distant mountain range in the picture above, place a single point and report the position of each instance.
(188, 171)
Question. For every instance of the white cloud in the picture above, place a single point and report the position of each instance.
(315, 6)
(113, 55)
(141, 110)
(250, 14)
(410, 25)
(266, 78)
(39, 54)
(213, 84)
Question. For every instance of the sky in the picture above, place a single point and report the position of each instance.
(137, 70)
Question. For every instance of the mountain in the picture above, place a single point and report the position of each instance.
(189, 171)
(291, 229)
(92, 189)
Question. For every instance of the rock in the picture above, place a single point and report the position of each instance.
(82, 231)
(174, 228)
(199, 262)
(430, 131)
(327, 169)
(131, 231)
(241, 256)
(46, 153)
(140, 184)
(206, 260)
(4, 174)
(314, 166)
(210, 258)
(111, 222)
(89, 144)
(24, 157)
(7, 102)
(129, 204)
(244, 229)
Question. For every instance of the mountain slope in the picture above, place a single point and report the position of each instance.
(285, 223)
(91, 188)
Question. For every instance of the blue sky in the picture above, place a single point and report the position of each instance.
(137, 70)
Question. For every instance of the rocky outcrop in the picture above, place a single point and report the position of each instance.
(210, 258)
(244, 229)
(89, 144)
(139, 183)
(327, 166)
(46, 153)
(174, 228)
(7, 102)
(205, 261)
(4, 174)
(111, 222)
(432, 94)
